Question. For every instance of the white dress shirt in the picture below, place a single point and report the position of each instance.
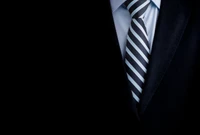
(122, 20)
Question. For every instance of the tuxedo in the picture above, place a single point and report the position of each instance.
(97, 85)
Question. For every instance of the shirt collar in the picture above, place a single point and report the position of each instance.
(115, 4)
(157, 3)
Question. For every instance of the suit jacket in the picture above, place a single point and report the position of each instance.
(169, 100)
(90, 84)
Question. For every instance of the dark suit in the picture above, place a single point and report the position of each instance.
(99, 98)
(169, 101)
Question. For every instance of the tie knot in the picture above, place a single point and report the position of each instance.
(137, 7)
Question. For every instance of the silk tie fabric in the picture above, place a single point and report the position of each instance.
(137, 47)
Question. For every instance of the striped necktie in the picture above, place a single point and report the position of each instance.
(137, 47)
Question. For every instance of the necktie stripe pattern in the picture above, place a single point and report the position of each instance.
(132, 62)
(137, 48)
(139, 79)
(141, 26)
(136, 59)
(139, 42)
(137, 7)
(140, 34)
(132, 44)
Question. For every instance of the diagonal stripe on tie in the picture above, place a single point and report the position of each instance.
(136, 54)
(141, 27)
(137, 7)
(140, 10)
(141, 34)
(131, 45)
(137, 48)
(142, 41)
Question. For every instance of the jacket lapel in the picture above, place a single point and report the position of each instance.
(131, 105)
(173, 18)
